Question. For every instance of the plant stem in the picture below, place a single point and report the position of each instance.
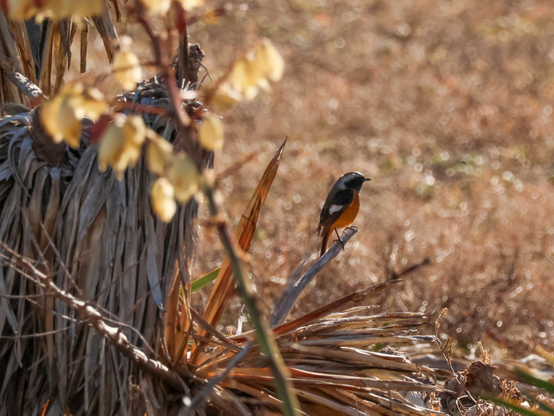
(268, 346)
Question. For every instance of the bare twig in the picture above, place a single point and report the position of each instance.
(112, 333)
(288, 299)
(410, 268)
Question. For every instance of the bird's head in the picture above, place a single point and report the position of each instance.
(352, 180)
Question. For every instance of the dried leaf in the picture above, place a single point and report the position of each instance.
(159, 155)
(162, 199)
(225, 97)
(247, 76)
(191, 4)
(127, 69)
(224, 285)
(211, 133)
(183, 175)
(121, 144)
(157, 6)
(270, 60)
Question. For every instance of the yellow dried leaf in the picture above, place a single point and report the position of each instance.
(157, 6)
(93, 103)
(191, 4)
(162, 199)
(135, 130)
(62, 115)
(211, 133)
(49, 116)
(112, 145)
(81, 8)
(21, 9)
(270, 60)
(225, 97)
(246, 76)
(121, 144)
(60, 9)
(127, 69)
(159, 155)
(183, 175)
(69, 123)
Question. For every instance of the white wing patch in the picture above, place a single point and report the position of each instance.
(335, 208)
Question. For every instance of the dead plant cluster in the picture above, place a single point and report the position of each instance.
(443, 108)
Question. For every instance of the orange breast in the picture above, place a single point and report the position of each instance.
(348, 217)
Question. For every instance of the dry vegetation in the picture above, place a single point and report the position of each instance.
(447, 106)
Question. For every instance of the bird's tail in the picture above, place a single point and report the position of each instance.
(326, 236)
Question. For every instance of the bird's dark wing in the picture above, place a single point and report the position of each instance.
(335, 205)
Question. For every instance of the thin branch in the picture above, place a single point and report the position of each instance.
(111, 333)
(290, 296)
(410, 268)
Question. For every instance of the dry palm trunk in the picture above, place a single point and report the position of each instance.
(99, 239)
(42, 51)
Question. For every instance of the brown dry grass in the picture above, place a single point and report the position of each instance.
(447, 105)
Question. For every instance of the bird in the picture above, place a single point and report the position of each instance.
(341, 206)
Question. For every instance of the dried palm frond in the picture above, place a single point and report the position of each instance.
(99, 240)
(333, 366)
(41, 52)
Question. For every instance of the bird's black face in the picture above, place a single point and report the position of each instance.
(354, 180)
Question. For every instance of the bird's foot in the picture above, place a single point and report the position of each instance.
(340, 240)
(353, 228)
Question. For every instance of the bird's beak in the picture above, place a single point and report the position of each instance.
(367, 179)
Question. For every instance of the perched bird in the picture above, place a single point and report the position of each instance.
(341, 206)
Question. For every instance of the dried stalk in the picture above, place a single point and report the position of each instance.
(266, 340)
(288, 299)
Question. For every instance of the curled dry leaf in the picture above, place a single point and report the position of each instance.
(121, 144)
(159, 155)
(162, 199)
(211, 133)
(183, 175)
(127, 69)
(62, 115)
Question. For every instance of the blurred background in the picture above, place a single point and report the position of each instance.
(447, 106)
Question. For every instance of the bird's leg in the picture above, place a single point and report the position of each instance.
(339, 239)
